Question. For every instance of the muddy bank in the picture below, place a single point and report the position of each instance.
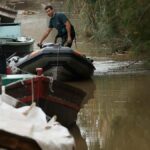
(23, 4)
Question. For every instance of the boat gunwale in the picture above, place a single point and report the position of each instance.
(54, 54)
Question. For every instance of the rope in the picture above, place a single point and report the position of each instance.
(58, 51)
(51, 84)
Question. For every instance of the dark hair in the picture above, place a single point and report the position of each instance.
(48, 6)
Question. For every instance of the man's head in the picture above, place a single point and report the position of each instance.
(49, 10)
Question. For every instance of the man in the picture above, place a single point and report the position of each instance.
(59, 21)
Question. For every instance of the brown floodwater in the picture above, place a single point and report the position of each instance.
(117, 117)
(115, 114)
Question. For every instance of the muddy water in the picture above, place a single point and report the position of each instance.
(34, 25)
(116, 111)
(117, 116)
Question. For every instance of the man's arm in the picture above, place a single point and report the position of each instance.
(68, 28)
(45, 35)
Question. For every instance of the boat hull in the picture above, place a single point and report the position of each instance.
(62, 63)
(55, 98)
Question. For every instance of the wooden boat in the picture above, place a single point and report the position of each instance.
(12, 42)
(62, 63)
(55, 98)
(7, 14)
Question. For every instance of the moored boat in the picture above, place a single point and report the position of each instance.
(12, 42)
(55, 98)
(62, 63)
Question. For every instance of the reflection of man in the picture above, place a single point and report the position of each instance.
(62, 24)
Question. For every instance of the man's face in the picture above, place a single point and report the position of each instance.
(50, 12)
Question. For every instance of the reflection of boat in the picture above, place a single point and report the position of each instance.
(12, 42)
(55, 98)
(62, 63)
(88, 86)
(7, 15)
(79, 140)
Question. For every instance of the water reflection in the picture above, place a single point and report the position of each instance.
(89, 87)
(79, 140)
(117, 118)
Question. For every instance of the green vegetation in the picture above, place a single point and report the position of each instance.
(122, 25)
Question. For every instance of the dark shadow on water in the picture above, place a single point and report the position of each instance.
(88, 86)
(79, 140)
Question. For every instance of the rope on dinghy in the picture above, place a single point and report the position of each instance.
(58, 52)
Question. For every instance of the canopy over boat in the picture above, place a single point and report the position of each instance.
(7, 14)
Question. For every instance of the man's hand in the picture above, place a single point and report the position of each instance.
(45, 35)
(39, 44)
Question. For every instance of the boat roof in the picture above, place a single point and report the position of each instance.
(10, 30)
(7, 12)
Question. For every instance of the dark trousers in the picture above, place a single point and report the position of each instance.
(64, 38)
